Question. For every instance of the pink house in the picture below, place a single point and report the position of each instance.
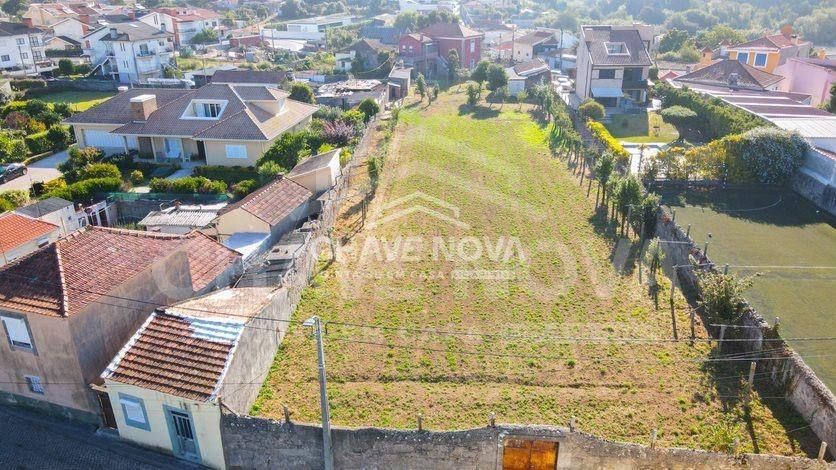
(810, 76)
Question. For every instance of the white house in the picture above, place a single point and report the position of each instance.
(426, 6)
(129, 52)
(311, 29)
(56, 211)
(22, 49)
(319, 172)
(71, 28)
(184, 22)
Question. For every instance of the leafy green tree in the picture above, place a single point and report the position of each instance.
(15, 7)
(501, 94)
(286, 151)
(206, 36)
(830, 105)
(453, 64)
(680, 117)
(673, 40)
(421, 86)
(722, 295)
(719, 33)
(59, 137)
(292, 9)
(480, 73)
(496, 77)
(65, 67)
(99, 170)
(77, 160)
(472, 94)
(522, 95)
(591, 109)
(303, 92)
(604, 167)
(369, 108)
(35, 107)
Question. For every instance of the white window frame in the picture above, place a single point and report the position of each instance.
(239, 151)
(18, 333)
(759, 55)
(195, 108)
(34, 384)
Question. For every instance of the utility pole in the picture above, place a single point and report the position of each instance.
(327, 451)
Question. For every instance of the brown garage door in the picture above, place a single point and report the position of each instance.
(526, 454)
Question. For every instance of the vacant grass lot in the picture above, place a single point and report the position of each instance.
(641, 128)
(788, 242)
(488, 175)
(80, 100)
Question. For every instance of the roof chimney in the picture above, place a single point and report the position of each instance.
(786, 30)
(142, 106)
(27, 22)
(113, 33)
(733, 79)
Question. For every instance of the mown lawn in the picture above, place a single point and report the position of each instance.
(641, 128)
(80, 100)
(492, 187)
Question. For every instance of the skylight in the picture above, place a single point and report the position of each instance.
(616, 48)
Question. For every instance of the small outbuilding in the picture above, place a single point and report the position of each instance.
(318, 173)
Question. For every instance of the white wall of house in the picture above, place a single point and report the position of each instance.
(22, 51)
(133, 61)
(100, 136)
(66, 219)
(71, 28)
(156, 431)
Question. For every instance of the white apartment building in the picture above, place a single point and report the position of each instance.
(310, 29)
(129, 52)
(22, 49)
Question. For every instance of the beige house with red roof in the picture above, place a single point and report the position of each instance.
(69, 307)
(168, 381)
(222, 124)
(21, 235)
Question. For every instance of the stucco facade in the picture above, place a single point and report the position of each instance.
(812, 78)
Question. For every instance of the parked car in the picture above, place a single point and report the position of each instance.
(12, 171)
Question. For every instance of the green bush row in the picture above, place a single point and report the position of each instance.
(228, 174)
(188, 185)
(611, 143)
(83, 191)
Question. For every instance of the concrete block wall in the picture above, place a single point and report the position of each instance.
(257, 443)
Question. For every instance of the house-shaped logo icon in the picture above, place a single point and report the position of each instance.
(419, 202)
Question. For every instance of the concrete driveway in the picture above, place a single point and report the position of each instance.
(43, 170)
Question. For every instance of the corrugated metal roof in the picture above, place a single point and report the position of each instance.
(814, 128)
(180, 218)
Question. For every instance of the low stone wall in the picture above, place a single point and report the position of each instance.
(803, 389)
(256, 443)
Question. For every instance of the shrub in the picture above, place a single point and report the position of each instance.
(137, 177)
(338, 133)
(35, 107)
(375, 168)
(601, 133)
(355, 119)
(38, 143)
(99, 170)
(472, 95)
(15, 197)
(27, 83)
(59, 137)
(269, 170)
(186, 52)
(722, 295)
(679, 116)
(242, 188)
(188, 185)
(65, 67)
(302, 92)
(328, 113)
(78, 159)
(6, 206)
(496, 77)
(83, 191)
(12, 149)
(286, 150)
(16, 120)
(82, 69)
(63, 109)
(591, 109)
(369, 108)
(49, 118)
(33, 126)
(717, 119)
(228, 174)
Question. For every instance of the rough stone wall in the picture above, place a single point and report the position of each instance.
(256, 443)
(821, 194)
(804, 390)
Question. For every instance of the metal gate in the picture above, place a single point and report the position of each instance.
(528, 454)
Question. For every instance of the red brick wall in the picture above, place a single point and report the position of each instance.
(403, 47)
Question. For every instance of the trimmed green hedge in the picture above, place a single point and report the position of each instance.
(38, 143)
(228, 174)
(188, 185)
(611, 143)
(716, 118)
(83, 191)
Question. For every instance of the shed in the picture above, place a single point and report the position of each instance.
(318, 173)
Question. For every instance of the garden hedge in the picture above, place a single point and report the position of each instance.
(611, 143)
(83, 191)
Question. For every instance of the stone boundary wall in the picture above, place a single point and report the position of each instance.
(803, 389)
(84, 85)
(816, 180)
(258, 443)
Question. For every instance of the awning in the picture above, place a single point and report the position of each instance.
(607, 92)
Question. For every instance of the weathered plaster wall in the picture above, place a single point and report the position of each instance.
(256, 443)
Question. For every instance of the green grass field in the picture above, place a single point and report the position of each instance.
(80, 100)
(641, 128)
(791, 245)
(457, 183)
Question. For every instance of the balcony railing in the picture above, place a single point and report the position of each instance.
(639, 84)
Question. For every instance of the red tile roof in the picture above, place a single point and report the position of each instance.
(15, 230)
(449, 30)
(184, 350)
(70, 274)
(274, 201)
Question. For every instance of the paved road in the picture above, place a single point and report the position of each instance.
(43, 170)
(33, 441)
